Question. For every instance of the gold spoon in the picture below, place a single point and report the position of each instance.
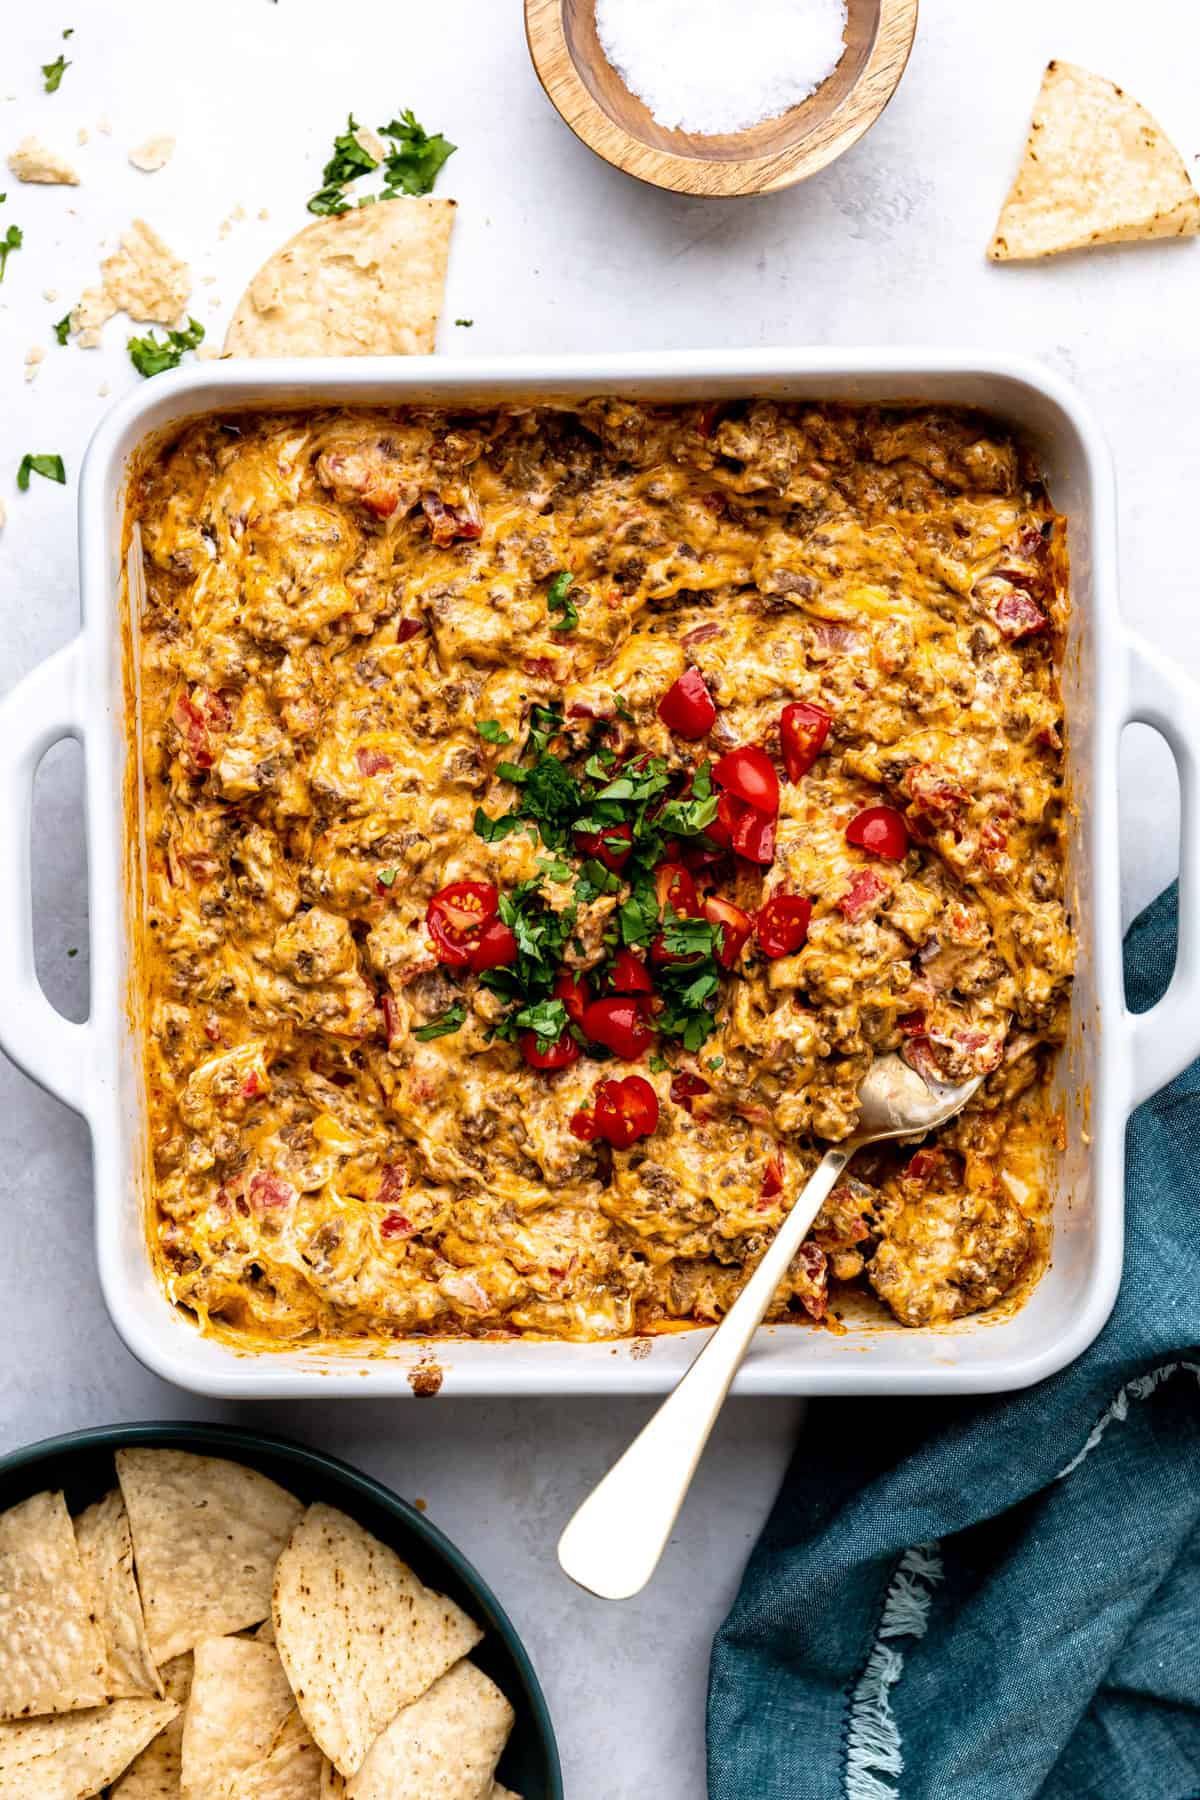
(613, 1544)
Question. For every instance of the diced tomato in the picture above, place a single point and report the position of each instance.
(629, 974)
(675, 888)
(449, 522)
(409, 628)
(782, 924)
(393, 1180)
(912, 1024)
(881, 830)
(702, 634)
(626, 1110)
(735, 925)
(395, 1225)
(200, 715)
(752, 833)
(687, 706)
(548, 1056)
(456, 917)
(749, 775)
(686, 1090)
(803, 729)
(270, 1193)
(924, 1163)
(254, 1085)
(494, 948)
(709, 417)
(574, 993)
(867, 888)
(772, 1181)
(815, 1264)
(540, 668)
(371, 762)
(612, 846)
(620, 1025)
(1018, 616)
(391, 1018)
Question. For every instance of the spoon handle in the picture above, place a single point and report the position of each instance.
(613, 1543)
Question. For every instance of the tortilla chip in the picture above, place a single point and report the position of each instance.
(363, 283)
(239, 1699)
(291, 1771)
(206, 1537)
(75, 1756)
(333, 1785)
(265, 1633)
(106, 1553)
(359, 1635)
(51, 1648)
(445, 1746)
(155, 1774)
(1097, 169)
(502, 1793)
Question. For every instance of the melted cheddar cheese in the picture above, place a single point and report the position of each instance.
(334, 603)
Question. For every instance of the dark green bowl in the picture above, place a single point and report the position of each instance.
(81, 1464)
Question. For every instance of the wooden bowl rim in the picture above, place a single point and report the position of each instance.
(718, 178)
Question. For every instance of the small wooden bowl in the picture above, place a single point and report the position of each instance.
(599, 108)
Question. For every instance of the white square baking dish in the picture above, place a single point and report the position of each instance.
(1113, 1059)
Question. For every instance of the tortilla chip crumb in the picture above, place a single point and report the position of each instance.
(154, 154)
(83, 135)
(104, 125)
(34, 161)
(143, 278)
(3, 515)
(49, 293)
(263, 212)
(33, 360)
(104, 390)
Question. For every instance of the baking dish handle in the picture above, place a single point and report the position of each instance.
(41, 710)
(1167, 1038)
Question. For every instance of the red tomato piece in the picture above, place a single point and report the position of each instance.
(1018, 616)
(736, 927)
(686, 1090)
(582, 1124)
(371, 762)
(782, 924)
(749, 774)
(495, 947)
(391, 1019)
(613, 846)
(620, 1025)
(626, 1111)
(449, 522)
(753, 833)
(772, 1181)
(629, 974)
(867, 888)
(803, 729)
(553, 1056)
(674, 887)
(456, 916)
(574, 993)
(687, 706)
(395, 1225)
(407, 629)
(881, 830)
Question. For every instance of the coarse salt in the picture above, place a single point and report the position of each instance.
(710, 66)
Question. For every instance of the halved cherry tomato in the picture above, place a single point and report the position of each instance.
(626, 1110)
(749, 774)
(675, 888)
(629, 974)
(881, 830)
(736, 927)
(620, 1025)
(803, 729)
(456, 915)
(782, 924)
(495, 947)
(752, 833)
(687, 706)
(606, 845)
(574, 993)
(674, 959)
(554, 1056)
(686, 1090)
(582, 1124)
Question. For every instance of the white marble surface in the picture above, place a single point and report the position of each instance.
(553, 251)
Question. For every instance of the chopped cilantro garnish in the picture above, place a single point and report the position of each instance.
(74, 950)
(547, 1019)
(54, 72)
(51, 467)
(62, 328)
(12, 240)
(554, 868)
(716, 1062)
(638, 915)
(595, 879)
(449, 1023)
(492, 830)
(151, 355)
(413, 165)
(623, 711)
(386, 877)
(492, 732)
(656, 1063)
(558, 600)
(69, 32)
(348, 162)
(464, 322)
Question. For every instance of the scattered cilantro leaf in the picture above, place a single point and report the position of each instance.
(656, 1063)
(623, 711)
(12, 240)
(151, 355)
(348, 162)
(386, 877)
(492, 830)
(554, 868)
(464, 322)
(716, 1062)
(492, 732)
(73, 951)
(414, 164)
(547, 1019)
(62, 328)
(445, 1026)
(69, 32)
(54, 72)
(558, 600)
(49, 466)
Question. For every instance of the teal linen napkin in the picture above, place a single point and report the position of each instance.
(999, 1598)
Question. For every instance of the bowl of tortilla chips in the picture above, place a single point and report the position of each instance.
(192, 1612)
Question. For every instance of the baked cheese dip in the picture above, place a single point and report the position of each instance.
(549, 814)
